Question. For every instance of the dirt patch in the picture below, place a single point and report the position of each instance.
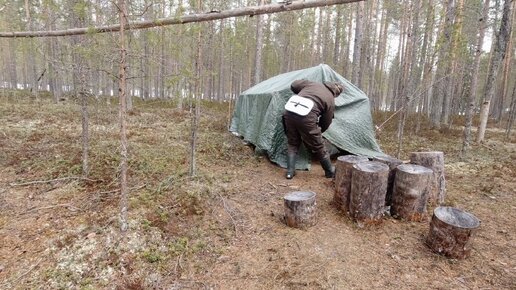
(223, 229)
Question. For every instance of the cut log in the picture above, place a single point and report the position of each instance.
(392, 163)
(343, 180)
(435, 161)
(410, 194)
(451, 232)
(368, 189)
(300, 209)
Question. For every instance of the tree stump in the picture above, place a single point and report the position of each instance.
(435, 161)
(343, 179)
(300, 209)
(368, 189)
(392, 163)
(451, 232)
(410, 194)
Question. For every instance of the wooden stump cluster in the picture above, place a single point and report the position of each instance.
(451, 232)
(343, 168)
(300, 209)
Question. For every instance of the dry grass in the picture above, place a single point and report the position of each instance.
(222, 229)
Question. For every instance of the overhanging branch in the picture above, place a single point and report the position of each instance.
(253, 10)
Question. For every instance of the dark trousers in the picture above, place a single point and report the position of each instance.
(304, 129)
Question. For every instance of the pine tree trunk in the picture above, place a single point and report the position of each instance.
(259, 47)
(357, 46)
(124, 191)
(197, 110)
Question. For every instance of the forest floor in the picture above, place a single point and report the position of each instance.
(223, 228)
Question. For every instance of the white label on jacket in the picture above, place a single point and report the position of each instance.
(299, 105)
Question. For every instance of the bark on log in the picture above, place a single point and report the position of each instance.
(435, 161)
(411, 189)
(451, 232)
(368, 189)
(300, 209)
(343, 168)
(392, 163)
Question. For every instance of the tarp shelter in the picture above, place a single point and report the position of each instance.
(258, 111)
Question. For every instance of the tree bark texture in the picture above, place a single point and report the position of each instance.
(410, 194)
(368, 188)
(300, 209)
(343, 168)
(392, 163)
(435, 161)
(451, 232)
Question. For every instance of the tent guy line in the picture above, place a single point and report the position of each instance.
(208, 16)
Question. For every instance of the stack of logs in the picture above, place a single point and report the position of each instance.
(365, 189)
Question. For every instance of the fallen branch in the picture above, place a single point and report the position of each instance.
(52, 180)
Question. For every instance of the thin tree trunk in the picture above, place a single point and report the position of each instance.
(197, 111)
(357, 46)
(338, 29)
(503, 95)
(32, 53)
(259, 46)
(124, 191)
(439, 95)
(499, 51)
(482, 24)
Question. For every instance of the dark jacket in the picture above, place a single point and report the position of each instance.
(323, 98)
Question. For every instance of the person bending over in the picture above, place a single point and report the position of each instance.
(307, 115)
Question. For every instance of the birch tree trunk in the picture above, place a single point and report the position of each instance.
(502, 37)
(482, 24)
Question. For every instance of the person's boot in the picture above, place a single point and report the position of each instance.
(329, 170)
(291, 165)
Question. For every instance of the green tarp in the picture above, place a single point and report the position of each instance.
(258, 110)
